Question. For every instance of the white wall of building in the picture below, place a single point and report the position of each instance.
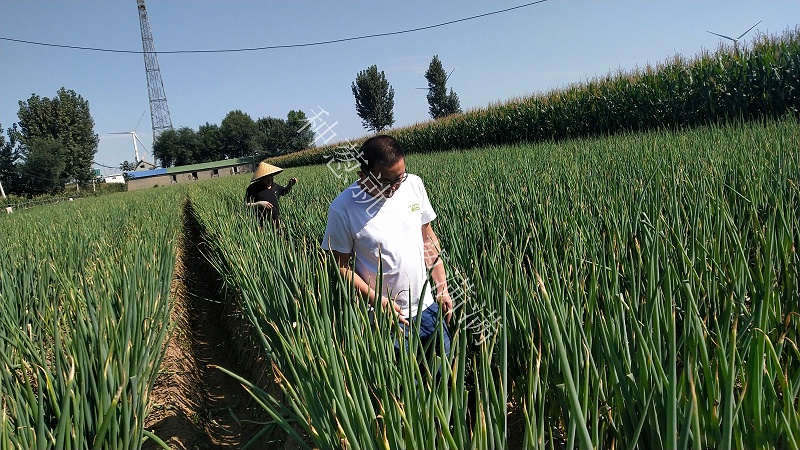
(114, 179)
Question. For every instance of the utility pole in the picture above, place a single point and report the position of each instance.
(159, 112)
(1, 189)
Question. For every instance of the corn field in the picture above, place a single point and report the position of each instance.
(637, 291)
(754, 82)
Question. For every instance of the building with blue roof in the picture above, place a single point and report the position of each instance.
(188, 174)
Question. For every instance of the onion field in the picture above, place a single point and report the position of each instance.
(84, 311)
(633, 291)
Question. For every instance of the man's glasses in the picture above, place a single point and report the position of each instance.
(383, 185)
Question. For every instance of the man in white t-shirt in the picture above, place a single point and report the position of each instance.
(383, 220)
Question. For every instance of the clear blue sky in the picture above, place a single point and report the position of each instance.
(525, 51)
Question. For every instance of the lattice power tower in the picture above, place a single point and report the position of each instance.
(159, 112)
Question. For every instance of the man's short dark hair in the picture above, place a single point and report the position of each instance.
(381, 150)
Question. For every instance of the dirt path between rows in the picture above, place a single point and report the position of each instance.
(194, 405)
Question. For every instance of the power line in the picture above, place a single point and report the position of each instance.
(103, 165)
(273, 47)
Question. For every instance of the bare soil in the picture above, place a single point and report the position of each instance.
(193, 404)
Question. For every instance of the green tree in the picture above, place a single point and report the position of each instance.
(166, 148)
(65, 119)
(44, 170)
(209, 138)
(178, 147)
(272, 135)
(285, 136)
(240, 135)
(187, 151)
(127, 166)
(303, 136)
(440, 103)
(9, 156)
(374, 99)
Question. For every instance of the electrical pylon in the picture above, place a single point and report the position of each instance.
(159, 112)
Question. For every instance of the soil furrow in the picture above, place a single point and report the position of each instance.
(194, 405)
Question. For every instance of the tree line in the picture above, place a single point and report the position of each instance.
(53, 144)
(239, 135)
(236, 136)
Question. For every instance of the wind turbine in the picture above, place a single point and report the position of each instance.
(736, 40)
(135, 138)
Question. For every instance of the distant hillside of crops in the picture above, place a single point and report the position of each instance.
(760, 81)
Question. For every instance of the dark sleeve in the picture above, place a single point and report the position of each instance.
(283, 190)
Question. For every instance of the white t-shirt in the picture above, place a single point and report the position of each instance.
(377, 229)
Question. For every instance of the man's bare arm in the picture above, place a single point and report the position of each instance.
(364, 288)
(435, 264)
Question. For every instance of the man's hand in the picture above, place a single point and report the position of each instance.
(393, 308)
(292, 181)
(445, 304)
(264, 204)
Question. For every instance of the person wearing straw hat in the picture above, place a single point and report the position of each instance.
(383, 222)
(262, 193)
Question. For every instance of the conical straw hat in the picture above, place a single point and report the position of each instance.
(263, 170)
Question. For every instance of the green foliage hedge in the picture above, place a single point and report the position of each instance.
(748, 84)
